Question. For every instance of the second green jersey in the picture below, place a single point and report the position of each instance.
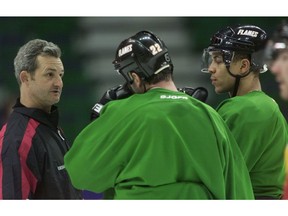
(260, 131)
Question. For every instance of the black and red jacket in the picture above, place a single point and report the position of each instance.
(32, 151)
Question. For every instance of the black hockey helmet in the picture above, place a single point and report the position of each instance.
(143, 53)
(245, 39)
(278, 42)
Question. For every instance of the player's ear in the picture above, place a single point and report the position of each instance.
(136, 79)
(244, 66)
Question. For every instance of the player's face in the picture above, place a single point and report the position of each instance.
(45, 85)
(279, 68)
(223, 82)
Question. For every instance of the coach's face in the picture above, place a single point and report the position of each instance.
(43, 88)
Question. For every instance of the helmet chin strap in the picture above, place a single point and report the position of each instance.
(237, 80)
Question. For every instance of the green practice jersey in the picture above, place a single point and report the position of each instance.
(159, 145)
(260, 131)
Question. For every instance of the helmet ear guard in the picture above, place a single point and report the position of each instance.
(124, 68)
(144, 53)
(258, 62)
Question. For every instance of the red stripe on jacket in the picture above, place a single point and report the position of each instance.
(29, 181)
(285, 196)
(2, 132)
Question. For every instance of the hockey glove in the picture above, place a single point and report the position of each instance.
(115, 93)
(199, 93)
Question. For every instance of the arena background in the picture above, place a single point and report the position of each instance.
(89, 43)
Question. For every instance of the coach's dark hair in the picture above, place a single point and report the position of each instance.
(26, 58)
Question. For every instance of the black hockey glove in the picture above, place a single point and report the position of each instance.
(199, 93)
(115, 93)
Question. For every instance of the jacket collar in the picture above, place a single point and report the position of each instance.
(50, 119)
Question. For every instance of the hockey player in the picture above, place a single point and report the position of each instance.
(235, 59)
(159, 143)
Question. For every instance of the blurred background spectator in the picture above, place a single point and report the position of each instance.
(7, 100)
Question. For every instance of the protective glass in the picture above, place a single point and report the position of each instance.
(206, 60)
(208, 56)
